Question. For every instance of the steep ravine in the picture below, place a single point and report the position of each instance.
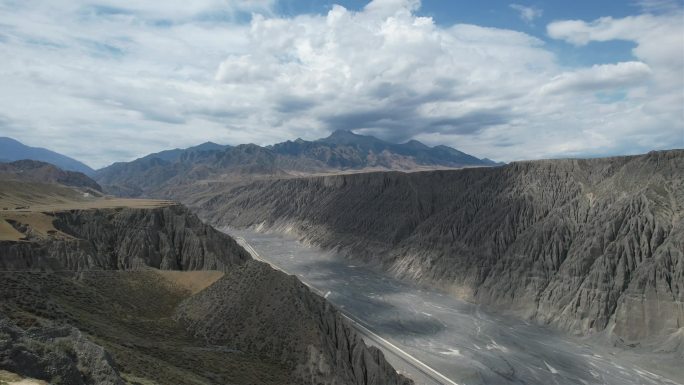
(256, 314)
(584, 245)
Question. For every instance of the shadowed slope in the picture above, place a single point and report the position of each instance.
(12, 150)
(582, 244)
(160, 174)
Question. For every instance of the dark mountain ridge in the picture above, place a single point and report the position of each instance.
(11, 150)
(36, 171)
(341, 151)
(175, 154)
(344, 149)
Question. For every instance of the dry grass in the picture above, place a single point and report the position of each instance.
(8, 232)
(19, 196)
(40, 224)
(15, 193)
(30, 204)
(193, 281)
(99, 203)
(9, 378)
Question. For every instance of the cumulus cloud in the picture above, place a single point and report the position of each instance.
(105, 81)
(659, 44)
(659, 38)
(599, 77)
(527, 14)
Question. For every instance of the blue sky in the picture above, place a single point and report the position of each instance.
(500, 14)
(494, 13)
(112, 80)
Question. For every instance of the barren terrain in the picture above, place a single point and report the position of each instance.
(34, 204)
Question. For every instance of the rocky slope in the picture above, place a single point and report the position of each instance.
(12, 150)
(129, 315)
(98, 279)
(154, 174)
(585, 245)
(327, 351)
(35, 171)
(61, 354)
(169, 238)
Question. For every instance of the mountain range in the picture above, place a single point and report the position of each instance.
(11, 150)
(36, 171)
(342, 151)
(103, 291)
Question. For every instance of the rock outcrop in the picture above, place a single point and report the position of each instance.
(169, 238)
(61, 354)
(253, 306)
(98, 278)
(585, 245)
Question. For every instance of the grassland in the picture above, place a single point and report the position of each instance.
(193, 281)
(25, 207)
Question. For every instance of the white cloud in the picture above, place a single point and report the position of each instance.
(599, 78)
(527, 14)
(172, 10)
(659, 38)
(384, 8)
(659, 44)
(105, 81)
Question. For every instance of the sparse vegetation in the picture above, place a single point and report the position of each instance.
(130, 315)
(90, 316)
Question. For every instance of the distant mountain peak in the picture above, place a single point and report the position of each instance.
(341, 150)
(493, 162)
(38, 171)
(416, 144)
(347, 137)
(12, 149)
(342, 134)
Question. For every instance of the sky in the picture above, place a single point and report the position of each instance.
(113, 80)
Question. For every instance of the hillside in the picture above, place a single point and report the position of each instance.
(36, 171)
(342, 151)
(253, 306)
(12, 150)
(126, 292)
(584, 245)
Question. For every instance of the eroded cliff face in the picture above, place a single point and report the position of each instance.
(253, 325)
(168, 238)
(62, 353)
(585, 245)
(253, 306)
